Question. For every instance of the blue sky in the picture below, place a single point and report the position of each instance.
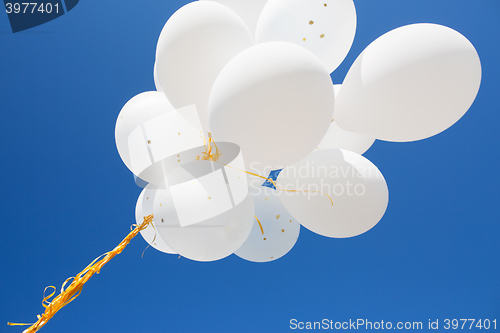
(67, 198)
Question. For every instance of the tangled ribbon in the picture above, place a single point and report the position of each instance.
(69, 293)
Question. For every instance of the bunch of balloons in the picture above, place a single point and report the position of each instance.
(247, 138)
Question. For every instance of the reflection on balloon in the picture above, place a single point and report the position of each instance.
(410, 84)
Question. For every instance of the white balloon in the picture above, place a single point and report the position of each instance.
(248, 10)
(274, 234)
(337, 138)
(275, 100)
(410, 84)
(143, 208)
(326, 28)
(213, 239)
(152, 137)
(157, 81)
(205, 212)
(356, 187)
(195, 44)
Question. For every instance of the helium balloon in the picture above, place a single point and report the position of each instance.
(224, 210)
(355, 186)
(337, 138)
(195, 44)
(274, 233)
(144, 208)
(152, 137)
(212, 239)
(410, 84)
(326, 28)
(275, 100)
(248, 10)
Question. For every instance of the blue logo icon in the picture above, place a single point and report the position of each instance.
(26, 15)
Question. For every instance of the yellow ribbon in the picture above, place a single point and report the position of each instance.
(74, 289)
(207, 154)
(17, 324)
(260, 225)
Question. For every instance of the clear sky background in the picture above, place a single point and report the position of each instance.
(66, 197)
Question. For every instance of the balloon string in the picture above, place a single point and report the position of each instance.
(207, 154)
(260, 225)
(152, 242)
(142, 255)
(69, 294)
